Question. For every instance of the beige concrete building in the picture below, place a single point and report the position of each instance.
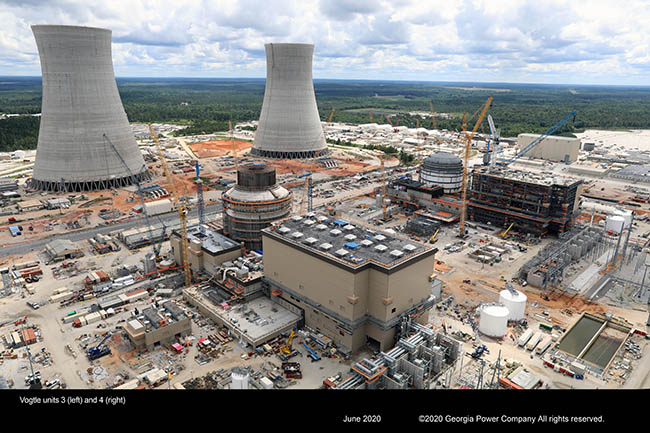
(156, 326)
(349, 283)
(552, 148)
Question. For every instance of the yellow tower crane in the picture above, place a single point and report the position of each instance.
(433, 115)
(308, 177)
(468, 145)
(182, 211)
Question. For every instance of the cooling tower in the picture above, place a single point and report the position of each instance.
(81, 104)
(289, 126)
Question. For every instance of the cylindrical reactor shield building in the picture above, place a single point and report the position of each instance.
(81, 104)
(289, 126)
(253, 204)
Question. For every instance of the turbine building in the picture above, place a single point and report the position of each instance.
(85, 142)
(289, 126)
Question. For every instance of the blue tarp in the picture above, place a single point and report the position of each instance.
(352, 245)
(340, 223)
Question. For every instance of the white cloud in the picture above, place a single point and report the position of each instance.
(597, 41)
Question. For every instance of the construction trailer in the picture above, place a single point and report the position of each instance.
(538, 204)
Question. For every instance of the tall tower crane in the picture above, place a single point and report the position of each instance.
(182, 211)
(234, 148)
(308, 199)
(490, 155)
(468, 145)
(433, 115)
(154, 245)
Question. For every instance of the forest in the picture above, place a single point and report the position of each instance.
(206, 105)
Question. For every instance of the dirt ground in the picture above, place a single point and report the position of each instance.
(212, 148)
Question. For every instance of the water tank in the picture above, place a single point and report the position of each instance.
(626, 215)
(444, 169)
(493, 320)
(239, 378)
(614, 224)
(515, 303)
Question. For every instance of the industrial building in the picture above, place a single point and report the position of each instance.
(81, 103)
(62, 249)
(350, 283)
(535, 203)
(158, 325)
(551, 148)
(253, 204)
(289, 126)
(208, 248)
(444, 169)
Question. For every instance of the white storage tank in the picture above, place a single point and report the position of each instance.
(493, 320)
(515, 303)
(239, 378)
(614, 223)
(626, 215)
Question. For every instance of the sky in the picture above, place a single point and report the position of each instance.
(539, 41)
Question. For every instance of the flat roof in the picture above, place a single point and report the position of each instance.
(211, 240)
(528, 176)
(335, 244)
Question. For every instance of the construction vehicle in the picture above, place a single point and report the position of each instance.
(314, 356)
(478, 352)
(100, 349)
(292, 370)
(433, 238)
(505, 233)
(287, 348)
(468, 146)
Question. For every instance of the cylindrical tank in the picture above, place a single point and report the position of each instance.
(289, 126)
(614, 223)
(626, 215)
(493, 320)
(85, 142)
(515, 303)
(239, 378)
(444, 169)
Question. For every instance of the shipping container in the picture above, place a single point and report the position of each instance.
(533, 341)
(545, 327)
(525, 337)
(60, 297)
(93, 317)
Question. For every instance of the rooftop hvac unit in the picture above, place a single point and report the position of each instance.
(341, 252)
(335, 232)
(409, 247)
(311, 241)
(321, 227)
(350, 237)
(381, 248)
(349, 227)
(308, 222)
(325, 246)
(296, 235)
(284, 230)
(380, 238)
(366, 243)
(397, 253)
(296, 218)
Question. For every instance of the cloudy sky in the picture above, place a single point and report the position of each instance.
(538, 41)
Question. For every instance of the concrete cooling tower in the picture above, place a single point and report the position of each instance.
(289, 126)
(81, 104)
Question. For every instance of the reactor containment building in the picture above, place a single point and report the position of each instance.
(289, 126)
(85, 142)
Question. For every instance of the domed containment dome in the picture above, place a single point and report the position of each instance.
(289, 126)
(81, 106)
(444, 169)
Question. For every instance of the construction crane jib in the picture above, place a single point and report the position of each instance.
(468, 146)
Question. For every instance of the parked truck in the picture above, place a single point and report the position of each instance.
(534, 340)
(523, 339)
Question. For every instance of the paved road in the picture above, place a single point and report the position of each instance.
(80, 235)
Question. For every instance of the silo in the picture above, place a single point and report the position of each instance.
(493, 320)
(444, 169)
(289, 126)
(626, 215)
(253, 204)
(81, 104)
(515, 303)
